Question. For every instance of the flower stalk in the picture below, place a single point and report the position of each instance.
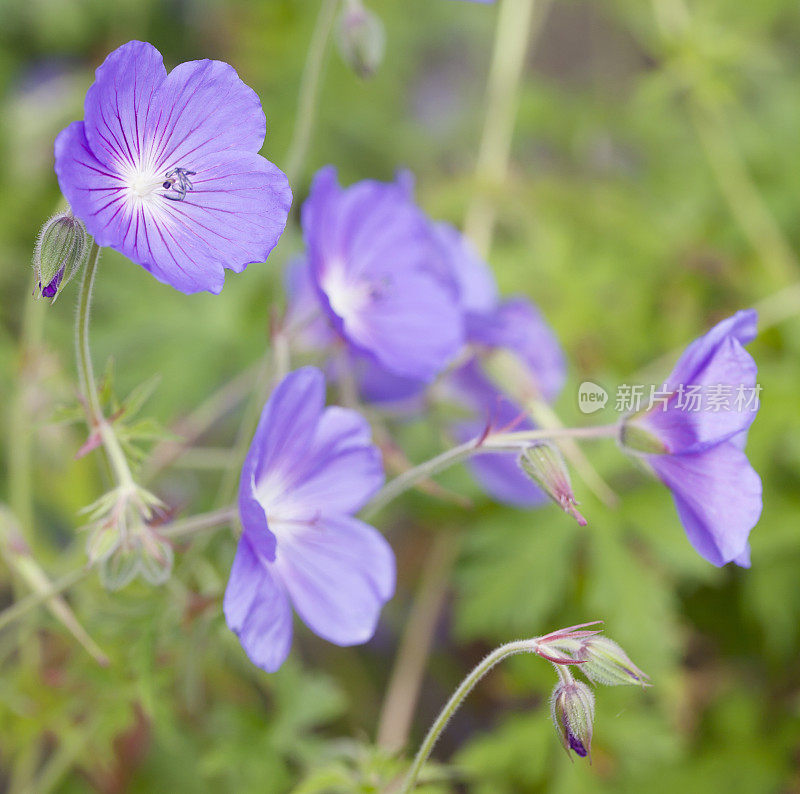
(457, 698)
(492, 443)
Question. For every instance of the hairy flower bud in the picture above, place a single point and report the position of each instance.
(156, 560)
(120, 567)
(361, 39)
(572, 711)
(605, 662)
(60, 250)
(546, 466)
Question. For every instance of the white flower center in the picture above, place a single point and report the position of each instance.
(346, 297)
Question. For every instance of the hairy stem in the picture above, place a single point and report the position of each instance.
(199, 523)
(452, 705)
(94, 413)
(493, 443)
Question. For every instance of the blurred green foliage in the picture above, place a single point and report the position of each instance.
(653, 190)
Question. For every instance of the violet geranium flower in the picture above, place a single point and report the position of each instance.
(697, 450)
(379, 277)
(165, 168)
(309, 469)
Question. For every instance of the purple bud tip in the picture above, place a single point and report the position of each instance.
(52, 288)
(577, 745)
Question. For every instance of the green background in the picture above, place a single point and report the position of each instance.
(653, 190)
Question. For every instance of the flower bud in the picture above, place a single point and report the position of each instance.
(102, 542)
(546, 466)
(156, 558)
(120, 567)
(361, 39)
(572, 711)
(60, 251)
(604, 662)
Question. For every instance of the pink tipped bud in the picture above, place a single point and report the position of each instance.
(572, 711)
(546, 466)
(605, 662)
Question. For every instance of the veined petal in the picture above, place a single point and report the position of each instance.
(257, 609)
(119, 103)
(339, 573)
(205, 108)
(741, 326)
(286, 429)
(718, 497)
(233, 216)
(343, 468)
(728, 365)
(381, 276)
(96, 194)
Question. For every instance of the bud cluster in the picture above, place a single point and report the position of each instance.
(122, 543)
(601, 661)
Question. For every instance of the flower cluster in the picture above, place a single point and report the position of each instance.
(399, 310)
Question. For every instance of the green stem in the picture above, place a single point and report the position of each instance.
(402, 692)
(517, 24)
(29, 602)
(309, 90)
(20, 464)
(452, 705)
(198, 523)
(495, 443)
(94, 413)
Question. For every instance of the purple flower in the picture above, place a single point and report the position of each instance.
(717, 492)
(377, 270)
(309, 469)
(165, 168)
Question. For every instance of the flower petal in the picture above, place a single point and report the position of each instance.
(517, 325)
(339, 573)
(476, 284)
(96, 194)
(119, 103)
(728, 366)
(286, 430)
(718, 497)
(233, 216)
(257, 609)
(342, 470)
(206, 109)
(741, 326)
(381, 276)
